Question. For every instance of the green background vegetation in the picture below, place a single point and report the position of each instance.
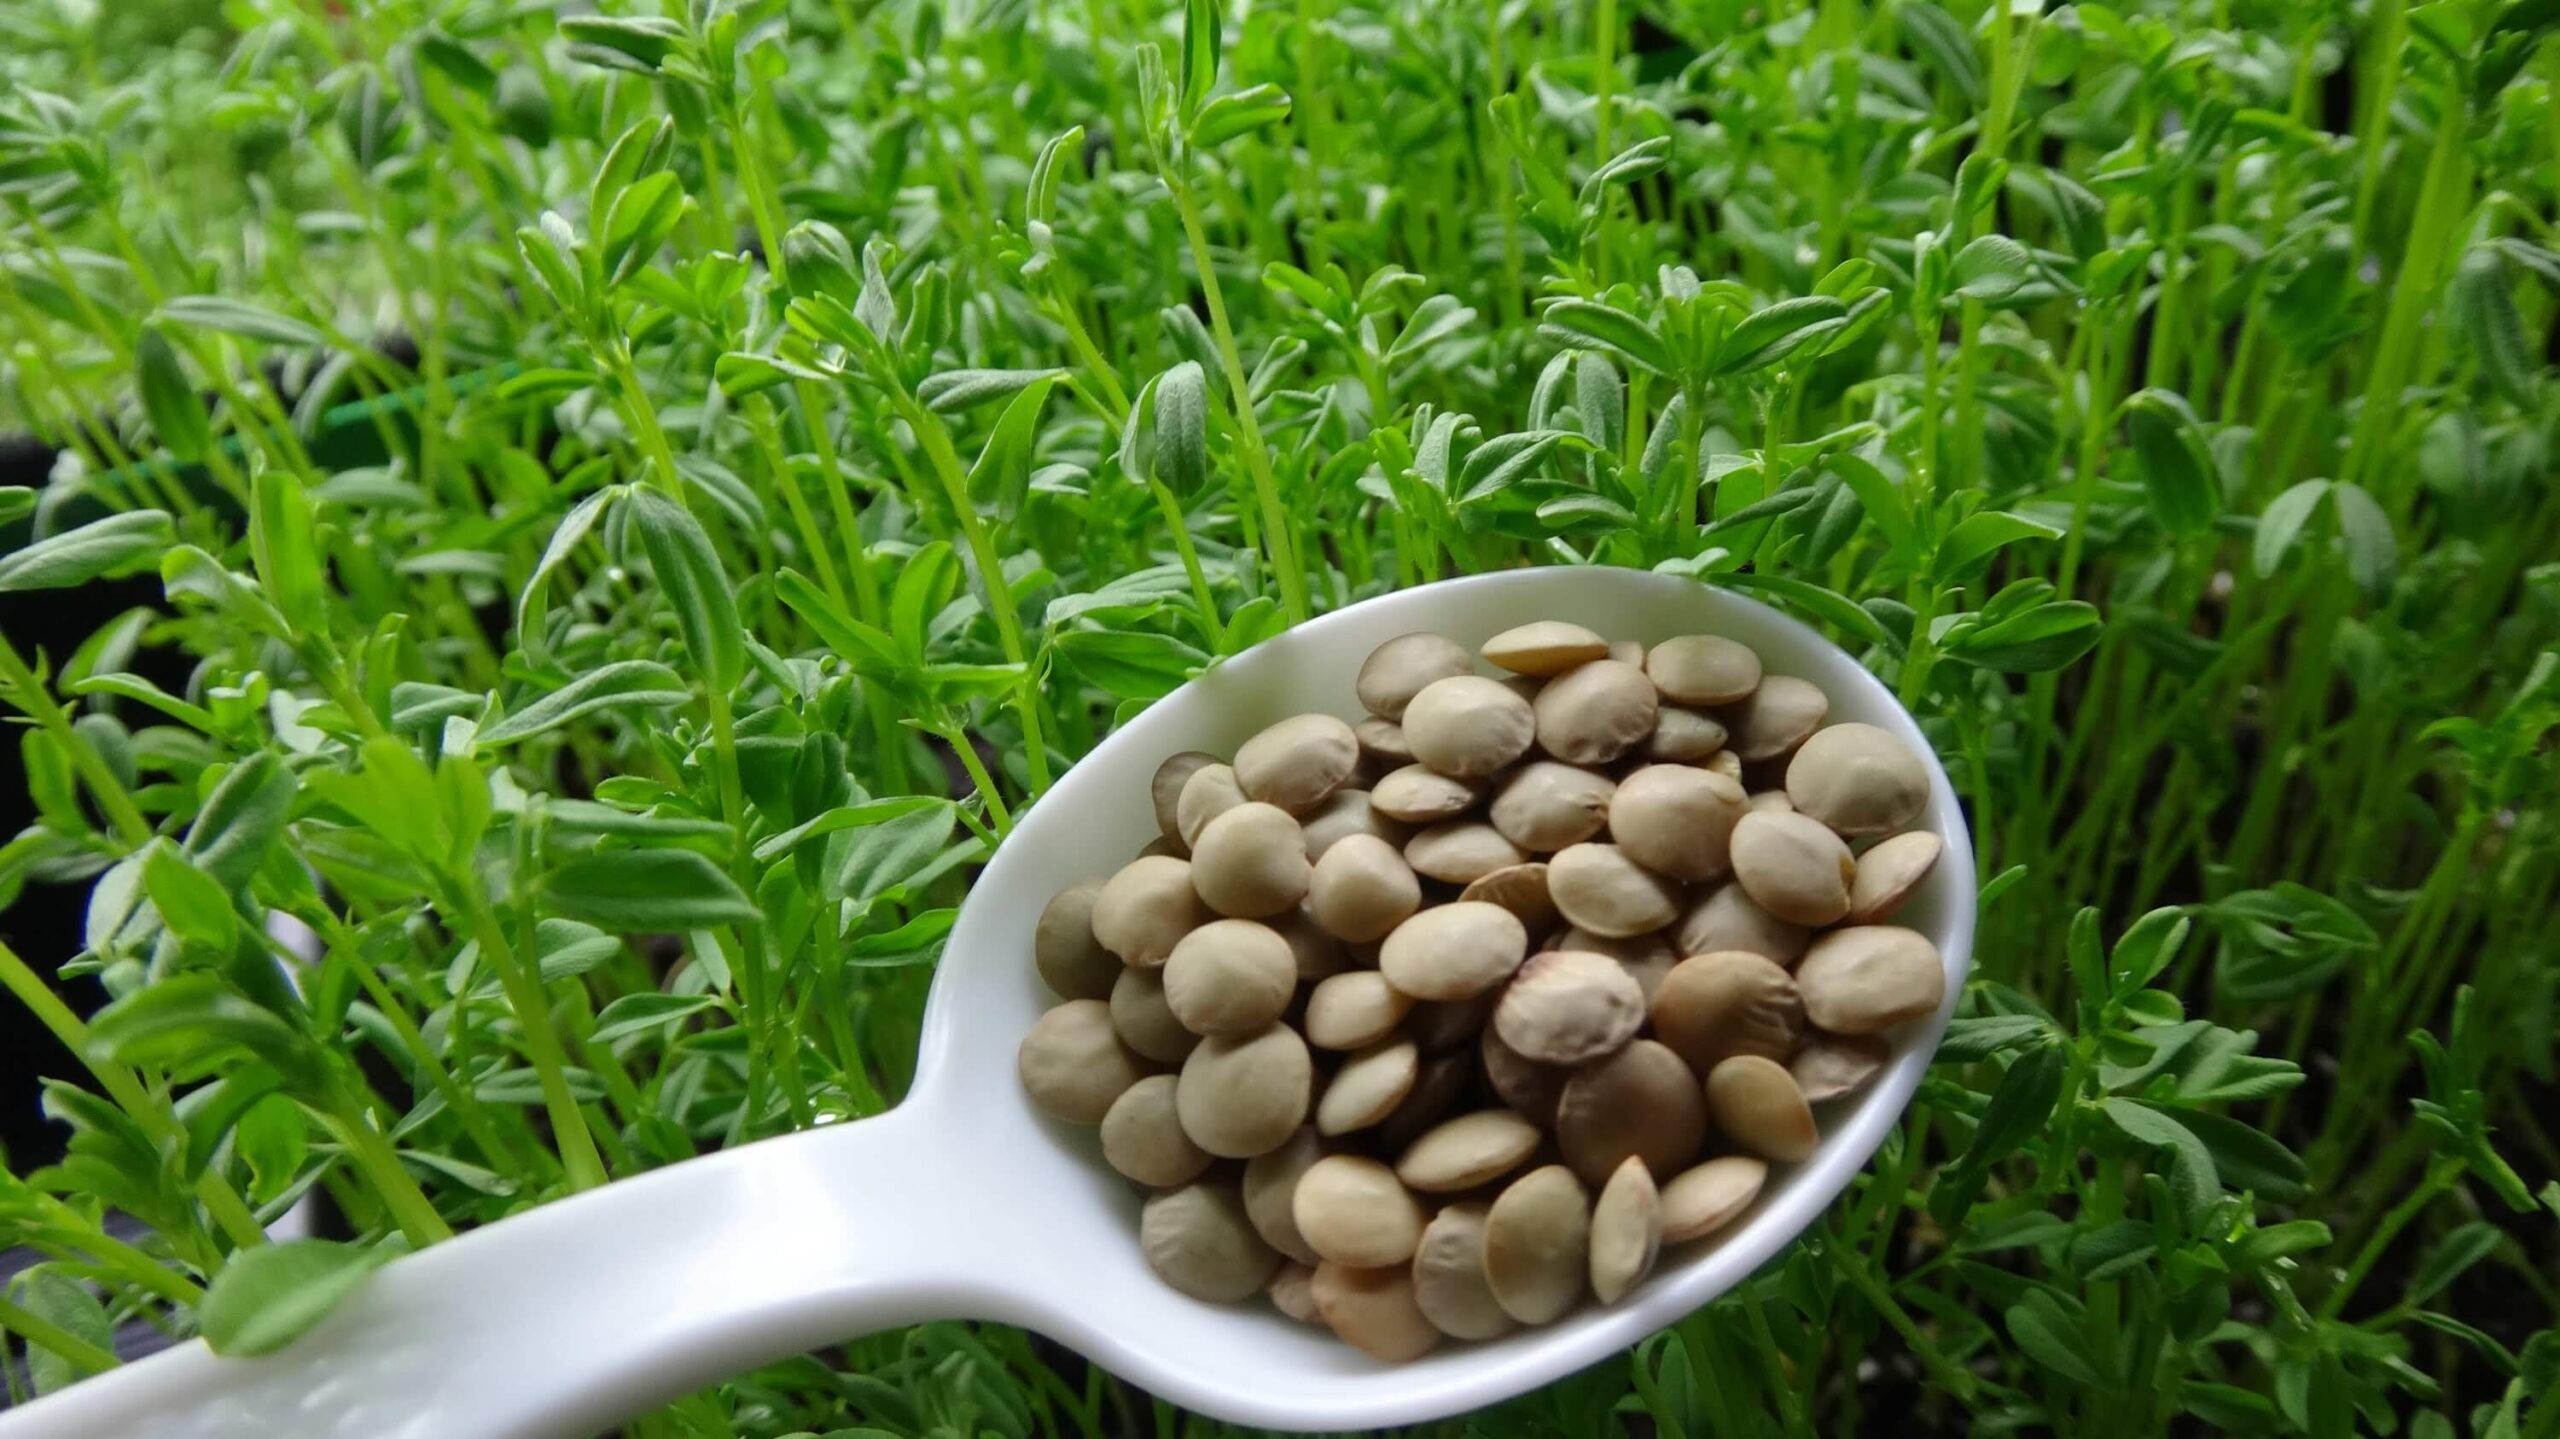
(629, 507)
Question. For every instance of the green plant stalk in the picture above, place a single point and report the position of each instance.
(380, 1164)
(216, 1194)
(584, 1170)
(2443, 204)
(1257, 455)
(1000, 602)
(84, 1356)
(30, 695)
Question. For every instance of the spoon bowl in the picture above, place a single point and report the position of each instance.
(964, 1202)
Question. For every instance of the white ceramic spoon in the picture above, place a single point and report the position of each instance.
(964, 1203)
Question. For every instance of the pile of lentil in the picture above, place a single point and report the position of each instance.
(1386, 1005)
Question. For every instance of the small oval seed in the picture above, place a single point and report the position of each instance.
(1198, 1240)
(1231, 976)
(1271, 1192)
(1347, 813)
(1889, 871)
(1419, 794)
(1712, 1007)
(1793, 866)
(1627, 652)
(1454, 951)
(1596, 712)
(1165, 790)
(1626, 1231)
(1073, 1064)
(1858, 779)
(1145, 1022)
(1354, 1009)
(1756, 1104)
(1537, 1245)
(1146, 909)
(1448, 1276)
(1469, 1150)
(1210, 792)
(1251, 861)
(1468, 727)
(1403, 667)
(1778, 717)
(1568, 1007)
(1642, 1101)
(1870, 977)
(1728, 919)
(1142, 1136)
(1292, 1291)
(1700, 1201)
(1833, 1066)
(1318, 954)
(1531, 1089)
(1368, 1087)
(1677, 820)
(1353, 1210)
(1245, 1096)
(1544, 647)
(1362, 889)
(1683, 736)
(1703, 670)
(1299, 762)
(1373, 1311)
(1599, 888)
(1461, 851)
(1521, 889)
(1545, 806)
(1382, 746)
(1071, 961)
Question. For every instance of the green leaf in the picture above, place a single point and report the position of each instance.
(642, 217)
(286, 555)
(1986, 533)
(2282, 524)
(954, 390)
(176, 412)
(1773, 333)
(2050, 1331)
(1002, 471)
(635, 1014)
(1583, 322)
(871, 653)
(240, 318)
(269, 1295)
(2483, 307)
(565, 539)
(16, 503)
(191, 902)
(2169, 451)
(116, 545)
(242, 819)
(623, 684)
(1182, 428)
(2193, 1180)
(928, 582)
(1200, 44)
(2146, 948)
(1946, 44)
(2372, 554)
(1991, 268)
(186, 1019)
(695, 586)
(637, 43)
(71, 1307)
(2045, 637)
(647, 891)
(1241, 113)
(1130, 665)
(1829, 606)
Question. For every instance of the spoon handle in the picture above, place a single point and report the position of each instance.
(570, 1317)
